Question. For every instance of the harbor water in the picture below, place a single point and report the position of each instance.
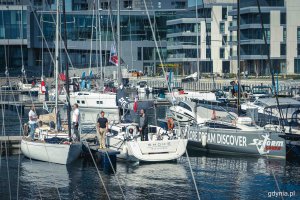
(216, 176)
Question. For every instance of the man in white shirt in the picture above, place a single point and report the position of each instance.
(75, 121)
(32, 121)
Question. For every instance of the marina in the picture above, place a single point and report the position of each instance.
(149, 99)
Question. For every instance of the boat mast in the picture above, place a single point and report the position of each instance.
(56, 61)
(197, 41)
(65, 40)
(238, 58)
(118, 43)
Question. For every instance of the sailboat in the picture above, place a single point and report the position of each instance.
(58, 150)
(90, 98)
(125, 137)
(235, 134)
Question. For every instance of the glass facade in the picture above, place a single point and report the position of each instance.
(253, 49)
(266, 3)
(254, 18)
(254, 34)
(133, 27)
(11, 56)
(13, 24)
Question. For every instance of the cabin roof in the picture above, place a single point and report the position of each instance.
(283, 102)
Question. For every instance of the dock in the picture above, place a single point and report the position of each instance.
(10, 145)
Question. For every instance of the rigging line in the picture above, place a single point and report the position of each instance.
(206, 38)
(97, 170)
(6, 149)
(22, 130)
(5, 46)
(115, 175)
(269, 64)
(44, 38)
(223, 40)
(92, 35)
(169, 87)
(273, 81)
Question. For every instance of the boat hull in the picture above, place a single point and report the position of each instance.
(54, 153)
(157, 151)
(226, 141)
(148, 151)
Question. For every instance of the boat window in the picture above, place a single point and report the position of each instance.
(86, 93)
(83, 102)
(79, 93)
(218, 125)
(78, 101)
(181, 104)
(99, 102)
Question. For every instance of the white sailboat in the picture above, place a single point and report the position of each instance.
(63, 151)
(162, 146)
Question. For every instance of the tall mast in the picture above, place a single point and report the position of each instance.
(238, 57)
(118, 42)
(197, 31)
(67, 69)
(56, 60)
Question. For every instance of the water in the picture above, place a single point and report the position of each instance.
(217, 176)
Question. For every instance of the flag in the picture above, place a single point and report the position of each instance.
(113, 55)
(122, 98)
(43, 87)
(135, 105)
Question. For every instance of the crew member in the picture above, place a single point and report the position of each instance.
(143, 125)
(102, 128)
(76, 121)
(32, 121)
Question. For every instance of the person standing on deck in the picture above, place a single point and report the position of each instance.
(102, 128)
(75, 121)
(143, 125)
(32, 121)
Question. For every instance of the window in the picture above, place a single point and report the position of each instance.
(99, 102)
(139, 53)
(222, 53)
(208, 27)
(105, 5)
(298, 34)
(208, 40)
(78, 101)
(127, 4)
(224, 40)
(298, 49)
(297, 66)
(283, 49)
(224, 13)
(282, 18)
(230, 51)
(82, 102)
(222, 27)
(208, 53)
(178, 4)
(225, 66)
(284, 34)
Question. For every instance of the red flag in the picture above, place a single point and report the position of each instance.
(62, 76)
(113, 55)
(135, 105)
(43, 87)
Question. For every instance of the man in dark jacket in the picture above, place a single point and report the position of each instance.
(143, 125)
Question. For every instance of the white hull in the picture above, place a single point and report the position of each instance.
(157, 151)
(154, 150)
(92, 100)
(54, 153)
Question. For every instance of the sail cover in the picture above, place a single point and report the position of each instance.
(122, 98)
